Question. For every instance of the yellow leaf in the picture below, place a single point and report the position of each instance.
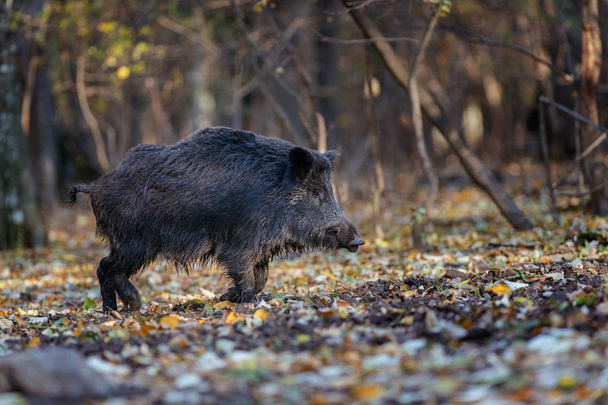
(260, 313)
(501, 289)
(303, 338)
(567, 382)
(407, 320)
(123, 72)
(35, 341)
(224, 304)
(366, 392)
(233, 317)
(170, 321)
(78, 328)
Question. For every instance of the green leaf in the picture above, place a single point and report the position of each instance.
(58, 322)
(89, 303)
(140, 319)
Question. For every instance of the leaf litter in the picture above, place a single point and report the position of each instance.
(488, 316)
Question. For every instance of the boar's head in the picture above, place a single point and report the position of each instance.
(315, 218)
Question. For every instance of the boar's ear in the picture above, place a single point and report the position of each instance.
(332, 156)
(300, 163)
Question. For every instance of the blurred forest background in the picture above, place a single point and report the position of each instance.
(83, 81)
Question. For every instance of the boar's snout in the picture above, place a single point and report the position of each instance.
(354, 244)
(344, 236)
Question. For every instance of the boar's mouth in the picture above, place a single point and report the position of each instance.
(354, 244)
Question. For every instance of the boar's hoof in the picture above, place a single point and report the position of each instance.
(130, 308)
(131, 303)
(236, 295)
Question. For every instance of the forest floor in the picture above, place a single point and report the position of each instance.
(487, 316)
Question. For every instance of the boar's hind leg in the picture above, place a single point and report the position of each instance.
(113, 274)
(244, 282)
(260, 271)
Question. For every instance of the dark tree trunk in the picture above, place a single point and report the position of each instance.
(326, 73)
(43, 144)
(19, 220)
(595, 169)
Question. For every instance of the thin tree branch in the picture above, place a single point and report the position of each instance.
(476, 38)
(89, 118)
(427, 166)
(303, 73)
(580, 157)
(279, 110)
(260, 54)
(365, 41)
(568, 111)
(545, 149)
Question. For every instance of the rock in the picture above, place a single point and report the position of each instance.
(52, 373)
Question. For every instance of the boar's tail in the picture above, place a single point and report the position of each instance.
(75, 190)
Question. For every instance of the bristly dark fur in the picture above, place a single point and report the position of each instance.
(223, 195)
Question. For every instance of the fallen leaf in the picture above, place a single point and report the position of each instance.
(501, 289)
(366, 392)
(233, 317)
(35, 341)
(169, 321)
(260, 313)
(224, 304)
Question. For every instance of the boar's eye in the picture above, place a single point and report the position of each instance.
(316, 194)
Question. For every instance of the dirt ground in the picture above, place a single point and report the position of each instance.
(487, 316)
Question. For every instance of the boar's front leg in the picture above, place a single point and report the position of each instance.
(260, 271)
(128, 294)
(243, 279)
(108, 292)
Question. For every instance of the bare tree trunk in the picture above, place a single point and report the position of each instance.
(477, 170)
(590, 74)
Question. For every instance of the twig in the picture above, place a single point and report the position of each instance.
(584, 193)
(558, 263)
(89, 118)
(568, 111)
(357, 7)
(603, 135)
(378, 187)
(419, 130)
(365, 41)
(271, 70)
(545, 149)
(303, 73)
(281, 113)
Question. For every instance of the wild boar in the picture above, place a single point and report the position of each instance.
(223, 195)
